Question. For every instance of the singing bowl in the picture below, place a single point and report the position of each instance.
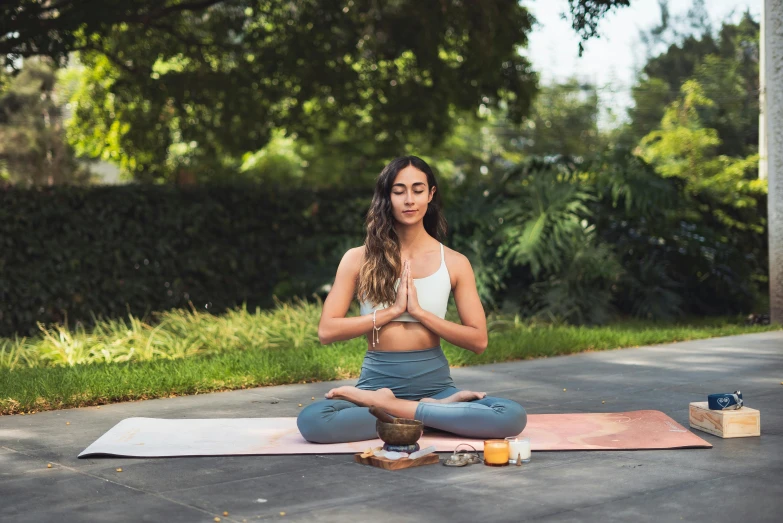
(401, 432)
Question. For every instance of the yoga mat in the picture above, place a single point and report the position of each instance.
(155, 437)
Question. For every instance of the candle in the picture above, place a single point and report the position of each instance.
(518, 447)
(496, 452)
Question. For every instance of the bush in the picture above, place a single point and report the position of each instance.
(71, 255)
(550, 237)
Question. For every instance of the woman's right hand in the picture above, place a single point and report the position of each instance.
(401, 303)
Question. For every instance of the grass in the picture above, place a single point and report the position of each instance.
(173, 334)
(187, 352)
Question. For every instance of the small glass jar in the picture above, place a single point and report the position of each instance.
(496, 452)
(518, 448)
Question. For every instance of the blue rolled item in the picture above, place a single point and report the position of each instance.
(725, 401)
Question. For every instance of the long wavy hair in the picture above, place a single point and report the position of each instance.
(382, 263)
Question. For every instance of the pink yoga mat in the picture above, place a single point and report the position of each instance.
(155, 437)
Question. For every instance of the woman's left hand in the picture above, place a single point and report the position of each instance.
(414, 309)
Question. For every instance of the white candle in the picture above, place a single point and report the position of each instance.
(518, 447)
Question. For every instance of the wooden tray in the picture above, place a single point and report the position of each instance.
(402, 463)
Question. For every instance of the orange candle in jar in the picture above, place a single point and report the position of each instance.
(496, 452)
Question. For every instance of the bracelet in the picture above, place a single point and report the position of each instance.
(375, 331)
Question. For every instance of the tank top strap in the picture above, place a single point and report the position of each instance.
(442, 256)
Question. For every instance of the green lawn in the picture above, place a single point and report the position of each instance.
(187, 352)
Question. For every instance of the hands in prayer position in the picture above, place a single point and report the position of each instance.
(407, 299)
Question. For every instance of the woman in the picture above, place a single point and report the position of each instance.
(405, 371)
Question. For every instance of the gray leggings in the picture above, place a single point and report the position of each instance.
(411, 375)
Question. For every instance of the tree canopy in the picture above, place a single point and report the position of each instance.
(726, 65)
(33, 150)
(202, 80)
(586, 14)
(221, 78)
(55, 28)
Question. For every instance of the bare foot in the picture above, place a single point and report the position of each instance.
(363, 398)
(463, 395)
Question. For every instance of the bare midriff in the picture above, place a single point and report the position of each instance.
(402, 336)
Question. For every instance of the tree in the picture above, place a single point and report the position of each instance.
(696, 116)
(33, 149)
(586, 14)
(564, 121)
(205, 81)
(685, 149)
(57, 28)
(721, 195)
(223, 75)
(726, 67)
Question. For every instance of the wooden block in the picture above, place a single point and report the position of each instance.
(739, 423)
(402, 463)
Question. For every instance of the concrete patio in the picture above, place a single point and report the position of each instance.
(737, 480)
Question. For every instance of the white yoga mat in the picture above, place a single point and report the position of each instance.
(155, 437)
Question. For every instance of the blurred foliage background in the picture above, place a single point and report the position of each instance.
(247, 135)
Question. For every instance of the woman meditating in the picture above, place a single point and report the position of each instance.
(403, 276)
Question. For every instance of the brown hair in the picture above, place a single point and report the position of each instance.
(382, 264)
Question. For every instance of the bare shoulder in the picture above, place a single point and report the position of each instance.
(457, 264)
(348, 271)
(352, 259)
(454, 258)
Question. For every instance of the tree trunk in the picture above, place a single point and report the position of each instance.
(762, 105)
(773, 75)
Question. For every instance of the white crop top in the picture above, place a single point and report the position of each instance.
(432, 291)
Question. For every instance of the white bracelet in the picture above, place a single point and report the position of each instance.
(375, 331)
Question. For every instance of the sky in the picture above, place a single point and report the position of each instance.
(611, 62)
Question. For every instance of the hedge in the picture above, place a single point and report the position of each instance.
(74, 254)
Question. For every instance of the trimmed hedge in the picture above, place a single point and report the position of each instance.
(71, 254)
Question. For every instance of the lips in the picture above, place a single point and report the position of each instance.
(408, 212)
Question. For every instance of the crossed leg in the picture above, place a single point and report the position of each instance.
(344, 416)
(386, 400)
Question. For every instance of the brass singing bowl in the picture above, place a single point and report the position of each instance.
(401, 432)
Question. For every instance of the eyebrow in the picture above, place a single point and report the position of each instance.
(403, 185)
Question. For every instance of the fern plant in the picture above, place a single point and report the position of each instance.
(543, 215)
(473, 231)
(582, 292)
(548, 229)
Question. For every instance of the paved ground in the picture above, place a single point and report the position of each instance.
(737, 480)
